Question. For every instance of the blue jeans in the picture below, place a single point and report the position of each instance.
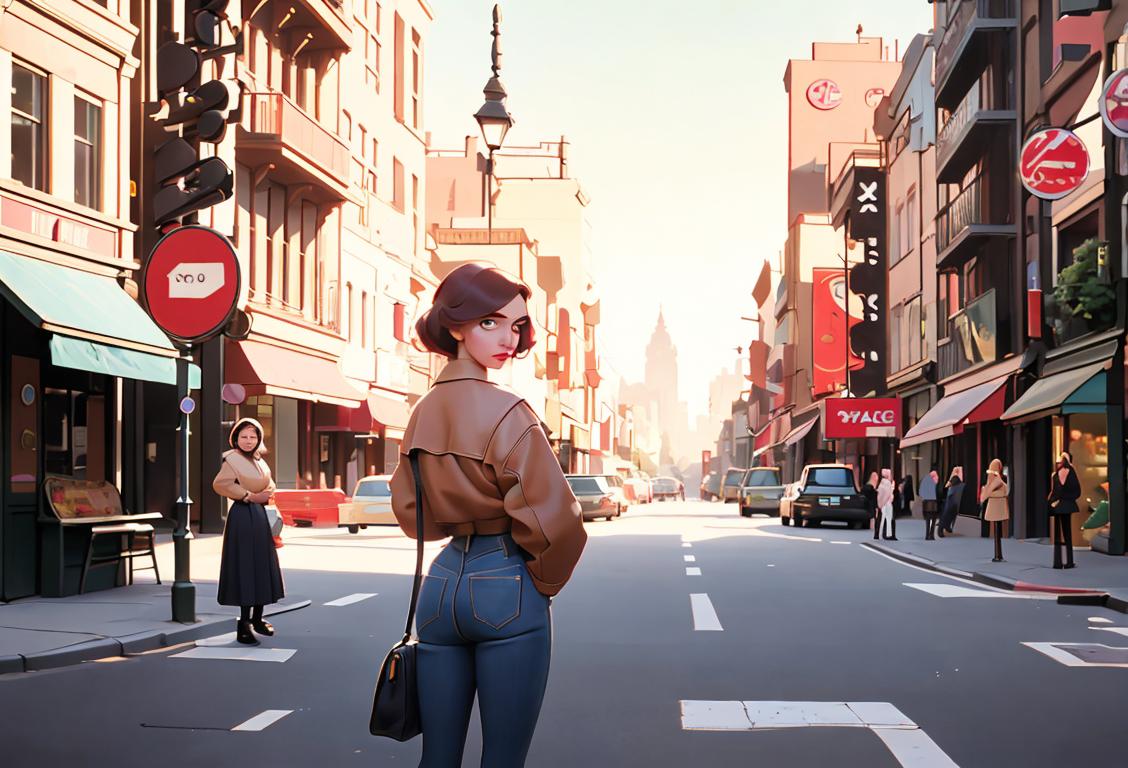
(482, 627)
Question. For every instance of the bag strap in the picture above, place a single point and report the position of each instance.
(413, 456)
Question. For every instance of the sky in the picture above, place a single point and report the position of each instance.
(677, 124)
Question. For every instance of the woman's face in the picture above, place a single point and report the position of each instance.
(492, 340)
(247, 439)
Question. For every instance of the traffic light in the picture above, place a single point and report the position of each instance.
(196, 112)
(203, 21)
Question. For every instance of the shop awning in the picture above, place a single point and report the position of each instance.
(268, 370)
(69, 352)
(393, 414)
(1081, 390)
(800, 432)
(96, 326)
(983, 402)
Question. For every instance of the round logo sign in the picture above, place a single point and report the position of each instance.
(1053, 163)
(874, 96)
(187, 406)
(1114, 103)
(192, 283)
(824, 94)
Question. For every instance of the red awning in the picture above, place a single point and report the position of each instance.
(268, 370)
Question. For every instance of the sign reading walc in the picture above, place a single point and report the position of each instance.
(860, 417)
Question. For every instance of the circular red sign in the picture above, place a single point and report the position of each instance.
(192, 283)
(824, 94)
(1053, 163)
(1114, 103)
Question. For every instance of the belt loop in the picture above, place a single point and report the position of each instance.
(466, 546)
(504, 546)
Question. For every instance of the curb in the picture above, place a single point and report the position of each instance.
(107, 647)
(1066, 595)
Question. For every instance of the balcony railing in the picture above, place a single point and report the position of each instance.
(958, 121)
(973, 335)
(274, 117)
(962, 16)
(963, 211)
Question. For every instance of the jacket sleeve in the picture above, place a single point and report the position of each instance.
(545, 514)
(271, 487)
(226, 483)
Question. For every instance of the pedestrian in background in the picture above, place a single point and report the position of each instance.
(869, 493)
(488, 479)
(953, 495)
(249, 575)
(1065, 490)
(885, 504)
(929, 509)
(994, 495)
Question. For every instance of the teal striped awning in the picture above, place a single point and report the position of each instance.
(69, 352)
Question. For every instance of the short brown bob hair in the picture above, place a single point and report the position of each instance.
(470, 292)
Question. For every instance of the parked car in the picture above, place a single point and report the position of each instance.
(306, 507)
(711, 486)
(636, 485)
(595, 496)
(618, 487)
(371, 504)
(760, 491)
(827, 492)
(790, 491)
(667, 488)
(730, 486)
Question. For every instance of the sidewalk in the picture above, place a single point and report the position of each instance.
(1028, 565)
(43, 633)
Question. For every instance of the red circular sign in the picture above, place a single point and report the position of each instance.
(1053, 163)
(1114, 103)
(824, 94)
(192, 283)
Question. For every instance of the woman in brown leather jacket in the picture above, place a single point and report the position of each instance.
(491, 482)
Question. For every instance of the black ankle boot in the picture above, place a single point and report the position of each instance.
(243, 633)
(263, 627)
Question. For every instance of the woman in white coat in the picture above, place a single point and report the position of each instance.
(885, 504)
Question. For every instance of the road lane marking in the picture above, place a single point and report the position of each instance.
(1099, 620)
(692, 571)
(238, 654)
(1061, 653)
(955, 590)
(904, 739)
(841, 542)
(263, 720)
(686, 544)
(689, 558)
(356, 597)
(704, 616)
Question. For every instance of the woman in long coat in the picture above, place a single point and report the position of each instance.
(994, 492)
(249, 575)
(885, 504)
(953, 497)
(1065, 490)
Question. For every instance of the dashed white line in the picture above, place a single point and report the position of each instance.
(704, 616)
(840, 542)
(692, 571)
(1099, 620)
(689, 558)
(686, 544)
(356, 597)
(263, 720)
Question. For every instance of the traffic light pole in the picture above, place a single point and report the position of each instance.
(183, 590)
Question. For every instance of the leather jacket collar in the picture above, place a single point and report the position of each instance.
(462, 369)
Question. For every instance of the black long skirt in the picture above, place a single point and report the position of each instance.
(248, 569)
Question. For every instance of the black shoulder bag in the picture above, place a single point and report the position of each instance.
(395, 705)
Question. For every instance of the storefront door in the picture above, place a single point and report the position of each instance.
(22, 398)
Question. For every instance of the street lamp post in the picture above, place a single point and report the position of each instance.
(493, 117)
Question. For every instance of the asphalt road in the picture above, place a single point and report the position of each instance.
(803, 619)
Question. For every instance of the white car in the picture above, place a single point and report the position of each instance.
(790, 493)
(371, 504)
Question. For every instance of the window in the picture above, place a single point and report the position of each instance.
(372, 61)
(346, 126)
(350, 310)
(414, 213)
(416, 79)
(375, 153)
(915, 331)
(87, 153)
(363, 140)
(29, 127)
(397, 185)
(895, 231)
(895, 338)
(364, 318)
(912, 234)
(397, 89)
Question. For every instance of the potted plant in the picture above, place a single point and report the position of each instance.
(1083, 298)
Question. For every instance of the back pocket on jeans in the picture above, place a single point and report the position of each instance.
(430, 600)
(495, 600)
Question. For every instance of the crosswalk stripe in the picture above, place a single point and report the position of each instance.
(913, 748)
(356, 597)
(263, 720)
(692, 571)
(278, 655)
(689, 558)
(704, 616)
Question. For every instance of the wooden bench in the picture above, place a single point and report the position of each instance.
(95, 505)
